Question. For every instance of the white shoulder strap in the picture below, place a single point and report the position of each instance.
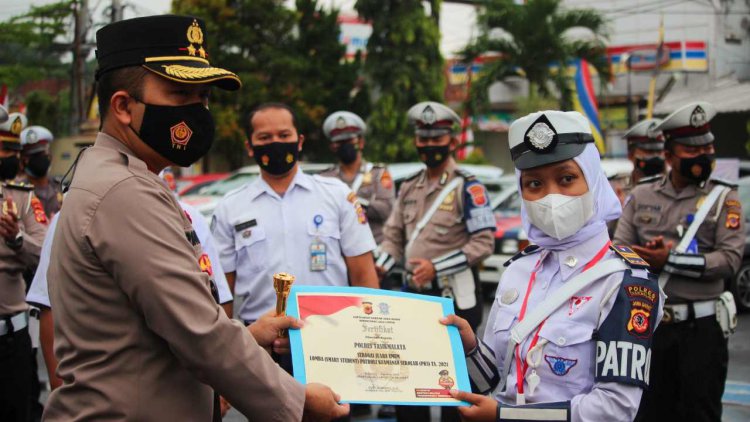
(431, 211)
(357, 183)
(558, 298)
(708, 203)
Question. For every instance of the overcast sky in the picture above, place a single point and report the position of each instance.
(456, 23)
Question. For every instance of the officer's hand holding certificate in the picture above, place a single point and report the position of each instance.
(377, 346)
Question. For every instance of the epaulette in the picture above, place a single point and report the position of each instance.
(629, 256)
(19, 185)
(724, 182)
(465, 174)
(531, 249)
(650, 179)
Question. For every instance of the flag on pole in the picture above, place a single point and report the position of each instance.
(584, 101)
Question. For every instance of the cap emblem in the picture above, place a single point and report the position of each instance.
(16, 126)
(31, 138)
(340, 123)
(428, 115)
(698, 117)
(195, 36)
(540, 136)
(181, 134)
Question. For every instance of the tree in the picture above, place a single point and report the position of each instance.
(533, 41)
(403, 67)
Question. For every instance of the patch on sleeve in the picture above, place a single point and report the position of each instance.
(39, 215)
(205, 263)
(477, 211)
(361, 215)
(386, 180)
(629, 256)
(623, 341)
(733, 220)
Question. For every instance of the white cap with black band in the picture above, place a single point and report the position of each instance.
(547, 137)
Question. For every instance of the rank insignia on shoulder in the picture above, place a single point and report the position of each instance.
(526, 251)
(629, 256)
(246, 225)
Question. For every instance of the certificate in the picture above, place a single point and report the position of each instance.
(377, 346)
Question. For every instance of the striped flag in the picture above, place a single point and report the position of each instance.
(584, 101)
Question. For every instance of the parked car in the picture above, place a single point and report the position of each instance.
(207, 197)
(490, 176)
(188, 185)
(739, 285)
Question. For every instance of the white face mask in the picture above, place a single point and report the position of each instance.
(560, 216)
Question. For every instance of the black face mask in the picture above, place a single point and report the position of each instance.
(433, 156)
(37, 165)
(9, 167)
(698, 169)
(347, 153)
(650, 166)
(276, 158)
(180, 134)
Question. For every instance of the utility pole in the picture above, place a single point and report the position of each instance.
(80, 51)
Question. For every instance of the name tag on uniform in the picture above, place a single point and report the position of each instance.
(246, 225)
(318, 256)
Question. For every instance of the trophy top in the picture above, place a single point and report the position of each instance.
(283, 277)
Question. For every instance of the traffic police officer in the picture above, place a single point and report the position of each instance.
(584, 353)
(442, 224)
(138, 334)
(287, 221)
(645, 150)
(36, 160)
(689, 363)
(22, 228)
(371, 182)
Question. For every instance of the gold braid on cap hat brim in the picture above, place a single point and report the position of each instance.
(187, 72)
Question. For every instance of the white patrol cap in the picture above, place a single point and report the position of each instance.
(10, 131)
(689, 124)
(645, 136)
(547, 137)
(343, 125)
(432, 119)
(35, 139)
(3, 114)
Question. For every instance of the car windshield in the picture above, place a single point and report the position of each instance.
(232, 182)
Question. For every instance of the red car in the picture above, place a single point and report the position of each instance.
(191, 184)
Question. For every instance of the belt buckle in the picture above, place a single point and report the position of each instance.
(668, 316)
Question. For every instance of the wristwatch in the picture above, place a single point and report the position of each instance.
(16, 243)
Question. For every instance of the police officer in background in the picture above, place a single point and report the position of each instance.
(137, 333)
(287, 221)
(371, 182)
(689, 361)
(441, 226)
(645, 150)
(22, 228)
(36, 160)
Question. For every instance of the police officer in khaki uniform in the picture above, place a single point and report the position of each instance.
(371, 182)
(689, 361)
(441, 226)
(645, 150)
(22, 229)
(36, 160)
(137, 334)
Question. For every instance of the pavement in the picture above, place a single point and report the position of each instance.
(736, 395)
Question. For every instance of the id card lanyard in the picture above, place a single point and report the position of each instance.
(522, 363)
(318, 258)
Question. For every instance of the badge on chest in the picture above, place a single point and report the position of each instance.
(318, 256)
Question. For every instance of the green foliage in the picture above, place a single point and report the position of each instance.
(49, 111)
(532, 39)
(281, 55)
(31, 43)
(403, 67)
(476, 157)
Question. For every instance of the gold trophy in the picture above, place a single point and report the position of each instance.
(282, 283)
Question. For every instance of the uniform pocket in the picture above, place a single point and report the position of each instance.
(253, 245)
(567, 356)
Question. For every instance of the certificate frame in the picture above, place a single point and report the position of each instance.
(456, 346)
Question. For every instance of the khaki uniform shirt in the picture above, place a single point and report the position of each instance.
(376, 193)
(50, 196)
(464, 221)
(33, 227)
(138, 335)
(655, 208)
